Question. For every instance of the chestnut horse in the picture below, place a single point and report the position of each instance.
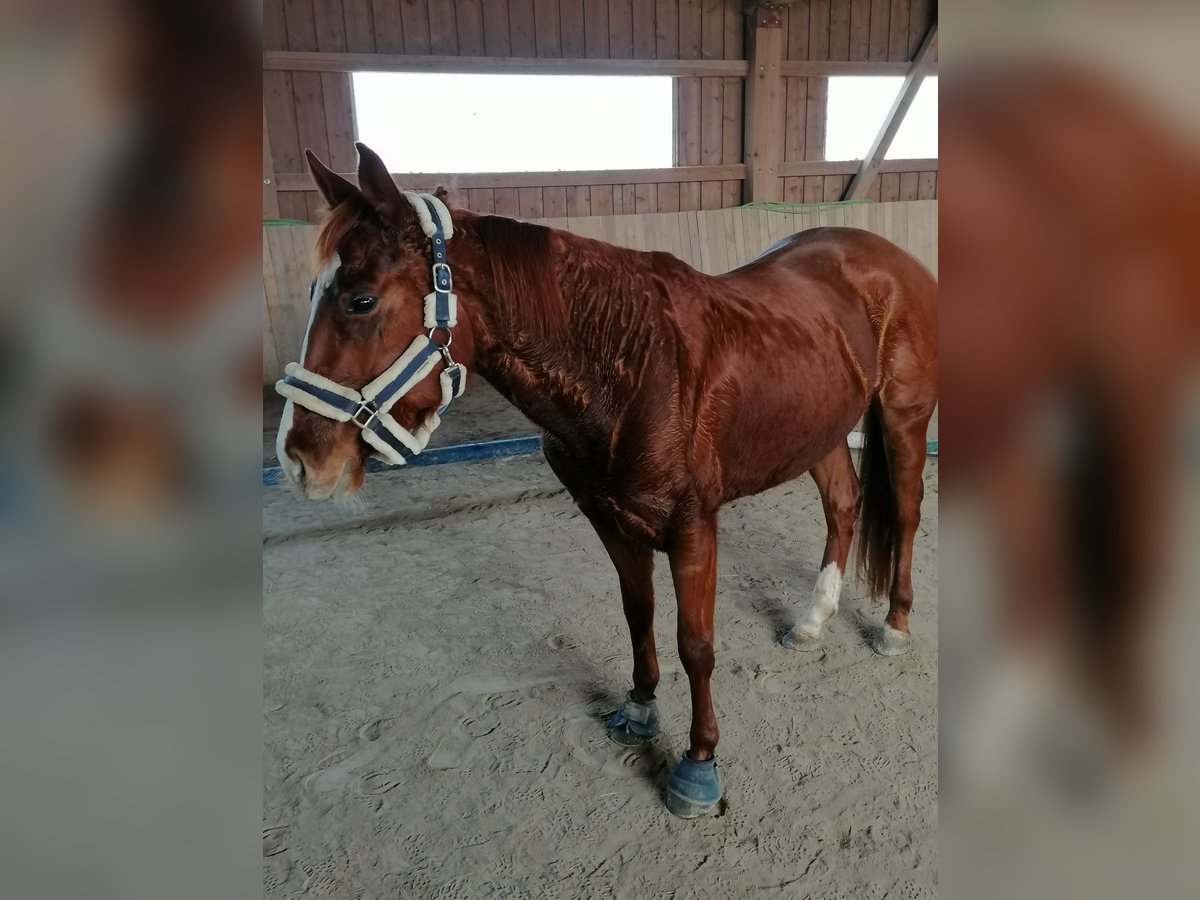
(662, 392)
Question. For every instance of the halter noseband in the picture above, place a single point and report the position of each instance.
(368, 408)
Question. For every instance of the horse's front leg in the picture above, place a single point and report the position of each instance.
(694, 787)
(637, 721)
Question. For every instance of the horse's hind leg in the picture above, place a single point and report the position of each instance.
(838, 486)
(905, 427)
(637, 721)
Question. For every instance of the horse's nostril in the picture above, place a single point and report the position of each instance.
(300, 471)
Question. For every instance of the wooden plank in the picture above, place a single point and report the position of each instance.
(530, 200)
(921, 15)
(546, 29)
(877, 47)
(570, 18)
(315, 205)
(340, 125)
(628, 197)
(793, 190)
(764, 109)
(666, 29)
(602, 200)
(794, 118)
(645, 198)
(498, 62)
(595, 28)
(668, 198)
(645, 37)
(797, 33)
(481, 200)
(495, 35)
(554, 201)
(443, 28)
(927, 186)
(834, 68)
(814, 126)
(731, 193)
(469, 26)
(860, 30)
(687, 120)
(507, 202)
(287, 154)
(301, 25)
(898, 30)
(415, 16)
(522, 41)
(292, 205)
(310, 112)
(689, 29)
(389, 29)
(712, 29)
(814, 188)
(731, 120)
(579, 200)
(833, 187)
(711, 99)
(893, 120)
(270, 190)
(889, 187)
(274, 25)
(818, 29)
(710, 195)
(909, 185)
(620, 29)
(689, 195)
(735, 34)
(330, 26)
(850, 166)
(360, 26)
(296, 181)
(839, 30)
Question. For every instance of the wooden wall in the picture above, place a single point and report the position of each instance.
(713, 241)
(315, 109)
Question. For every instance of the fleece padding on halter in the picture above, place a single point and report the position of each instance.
(369, 408)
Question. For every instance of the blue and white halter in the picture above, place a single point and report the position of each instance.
(368, 408)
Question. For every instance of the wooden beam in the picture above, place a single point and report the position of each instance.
(270, 188)
(298, 181)
(851, 166)
(395, 62)
(764, 107)
(860, 185)
(833, 68)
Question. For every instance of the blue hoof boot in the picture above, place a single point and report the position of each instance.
(694, 788)
(634, 723)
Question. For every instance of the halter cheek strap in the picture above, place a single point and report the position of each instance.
(369, 408)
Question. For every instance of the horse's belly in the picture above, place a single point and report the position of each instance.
(786, 424)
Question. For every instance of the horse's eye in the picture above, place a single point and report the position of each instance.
(360, 305)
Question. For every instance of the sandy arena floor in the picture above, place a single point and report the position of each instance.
(436, 659)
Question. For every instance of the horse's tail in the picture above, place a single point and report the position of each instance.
(877, 518)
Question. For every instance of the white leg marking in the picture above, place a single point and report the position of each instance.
(824, 602)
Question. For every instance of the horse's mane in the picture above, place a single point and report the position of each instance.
(524, 275)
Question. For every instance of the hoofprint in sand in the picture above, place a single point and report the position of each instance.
(437, 659)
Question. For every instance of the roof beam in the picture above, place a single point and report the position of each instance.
(869, 167)
(294, 61)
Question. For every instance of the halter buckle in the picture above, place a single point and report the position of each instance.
(368, 407)
(437, 286)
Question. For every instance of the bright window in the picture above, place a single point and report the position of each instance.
(856, 110)
(514, 123)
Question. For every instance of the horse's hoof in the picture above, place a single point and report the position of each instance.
(890, 642)
(694, 788)
(799, 640)
(634, 723)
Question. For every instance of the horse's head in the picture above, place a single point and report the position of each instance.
(368, 309)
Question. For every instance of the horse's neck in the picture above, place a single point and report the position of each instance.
(553, 358)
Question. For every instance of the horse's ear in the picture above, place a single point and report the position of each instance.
(333, 187)
(380, 190)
